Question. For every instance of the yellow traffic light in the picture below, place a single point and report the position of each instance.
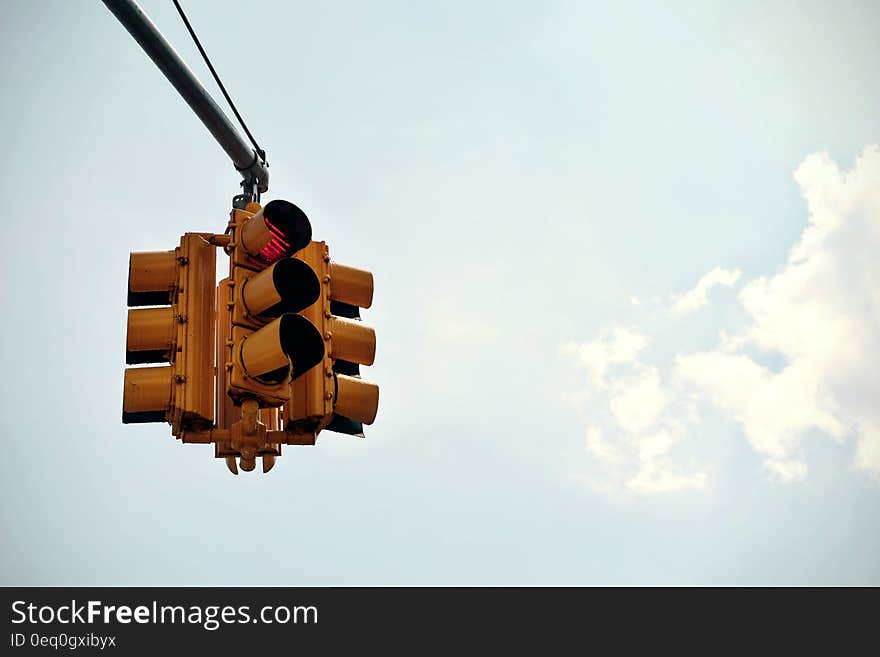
(267, 357)
(151, 335)
(152, 278)
(268, 344)
(333, 396)
(180, 331)
(146, 394)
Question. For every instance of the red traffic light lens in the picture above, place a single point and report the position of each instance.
(289, 231)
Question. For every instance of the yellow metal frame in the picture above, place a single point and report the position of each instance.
(315, 395)
(311, 395)
(192, 405)
(182, 333)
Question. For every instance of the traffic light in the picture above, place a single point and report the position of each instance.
(333, 396)
(269, 356)
(178, 329)
(269, 345)
(265, 344)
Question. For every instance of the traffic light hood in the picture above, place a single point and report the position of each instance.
(278, 230)
(290, 341)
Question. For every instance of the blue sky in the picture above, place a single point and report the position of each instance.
(625, 298)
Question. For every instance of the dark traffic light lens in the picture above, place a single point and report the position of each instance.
(297, 285)
(302, 343)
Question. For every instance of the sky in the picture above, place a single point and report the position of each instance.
(627, 297)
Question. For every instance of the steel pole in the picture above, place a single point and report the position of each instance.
(247, 161)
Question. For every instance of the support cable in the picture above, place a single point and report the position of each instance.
(192, 33)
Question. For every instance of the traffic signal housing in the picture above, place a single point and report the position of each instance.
(171, 320)
(333, 396)
(269, 344)
(269, 356)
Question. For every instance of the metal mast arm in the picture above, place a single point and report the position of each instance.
(247, 161)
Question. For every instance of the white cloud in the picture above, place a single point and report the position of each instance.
(699, 296)
(819, 314)
(604, 450)
(614, 346)
(634, 445)
(773, 409)
(660, 476)
(868, 448)
(787, 469)
(638, 401)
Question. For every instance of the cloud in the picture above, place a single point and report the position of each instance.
(868, 448)
(637, 402)
(818, 315)
(773, 409)
(614, 346)
(644, 467)
(661, 476)
(642, 427)
(605, 451)
(699, 296)
(821, 312)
